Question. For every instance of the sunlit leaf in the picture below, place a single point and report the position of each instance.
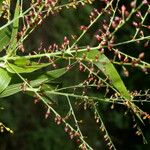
(22, 62)
(4, 79)
(104, 64)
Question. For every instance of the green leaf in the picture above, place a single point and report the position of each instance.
(22, 62)
(1, 1)
(54, 74)
(47, 77)
(13, 41)
(15, 88)
(4, 79)
(12, 68)
(5, 36)
(51, 96)
(104, 64)
(46, 88)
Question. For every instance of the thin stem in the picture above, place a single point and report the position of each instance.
(75, 119)
(127, 19)
(130, 64)
(57, 53)
(111, 20)
(20, 16)
(143, 19)
(90, 25)
(107, 137)
(49, 107)
(131, 41)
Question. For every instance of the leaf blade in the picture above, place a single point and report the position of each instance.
(49, 76)
(5, 36)
(13, 40)
(12, 68)
(4, 79)
(104, 64)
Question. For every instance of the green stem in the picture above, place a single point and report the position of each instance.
(20, 16)
(49, 107)
(90, 25)
(127, 19)
(131, 41)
